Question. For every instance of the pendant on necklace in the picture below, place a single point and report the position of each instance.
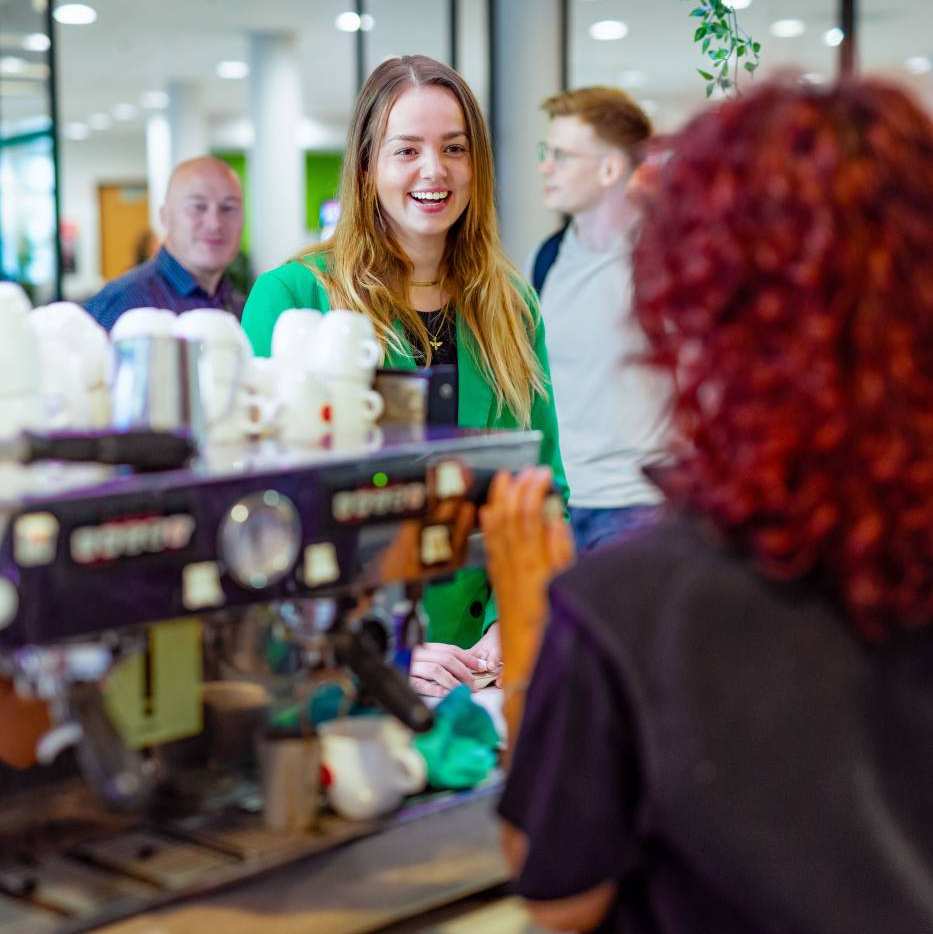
(435, 344)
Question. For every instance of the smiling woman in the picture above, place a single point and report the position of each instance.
(417, 251)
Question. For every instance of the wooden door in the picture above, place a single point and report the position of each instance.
(124, 224)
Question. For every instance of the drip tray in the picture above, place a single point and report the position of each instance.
(71, 887)
(244, 836)
(20, 918)
(155, 858)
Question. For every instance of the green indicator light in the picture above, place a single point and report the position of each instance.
(380, 479)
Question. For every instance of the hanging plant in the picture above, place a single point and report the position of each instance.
(726, 45)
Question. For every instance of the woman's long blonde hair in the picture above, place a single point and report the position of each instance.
(369, 272)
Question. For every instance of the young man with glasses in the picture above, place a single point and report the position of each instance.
(609, 409)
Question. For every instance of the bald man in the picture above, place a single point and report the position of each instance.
(203, 220)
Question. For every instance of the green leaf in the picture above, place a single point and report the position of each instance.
(756, 47)
(699, 11)
(700, 33)
(740, 51)
(750, 66)
(709, 88)
(706, 43)
(705, 74)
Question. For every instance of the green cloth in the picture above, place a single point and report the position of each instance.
(461, 610)
(461, 749)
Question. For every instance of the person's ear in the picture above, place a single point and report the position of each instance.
(614, 168)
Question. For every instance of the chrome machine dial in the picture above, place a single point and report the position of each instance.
(260, 538)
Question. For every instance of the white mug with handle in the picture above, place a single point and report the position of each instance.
(370, 765)
(294, 334)
(345, 346)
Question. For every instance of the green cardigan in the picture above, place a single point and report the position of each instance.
(461, 610)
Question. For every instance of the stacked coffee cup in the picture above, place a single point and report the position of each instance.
(75, 362)
(325, 366)
(19, 364)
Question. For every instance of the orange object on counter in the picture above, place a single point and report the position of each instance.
(22, 722)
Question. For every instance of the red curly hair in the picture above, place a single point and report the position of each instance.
(784, 276)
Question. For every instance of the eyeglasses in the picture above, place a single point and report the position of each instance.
(549, 153)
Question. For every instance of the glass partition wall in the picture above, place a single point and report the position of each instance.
(29, 248)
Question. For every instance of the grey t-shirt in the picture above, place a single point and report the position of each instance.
(610, 411)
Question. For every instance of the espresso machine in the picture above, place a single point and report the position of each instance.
(122, 591)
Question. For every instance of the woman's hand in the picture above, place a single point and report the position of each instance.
(437, 668)
(525, 549)
(489, 651)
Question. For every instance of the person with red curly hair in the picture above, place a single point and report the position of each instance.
(729, 727)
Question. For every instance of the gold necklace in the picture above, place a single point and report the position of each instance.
(424, 285)
(433, 340)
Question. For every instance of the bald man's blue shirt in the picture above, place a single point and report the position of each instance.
(162, 282)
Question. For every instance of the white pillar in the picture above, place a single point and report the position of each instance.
(526, 69)
(276, 162)
(158, 166)
(187, 123)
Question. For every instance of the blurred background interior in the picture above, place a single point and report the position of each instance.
(99, 100)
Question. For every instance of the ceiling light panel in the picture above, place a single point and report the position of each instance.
(75, 14)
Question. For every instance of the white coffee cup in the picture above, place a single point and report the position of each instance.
(260, 390)
(19, 370)
(13, 297)
(76, 361)
(86, 338)
(351, 404)
(65, 400)
(294, 334)
(303, 408)
(345, 346)
(371, 765)
(143, 322)
(18, 412)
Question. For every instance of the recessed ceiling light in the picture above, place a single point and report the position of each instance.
(348, 21)
(99, 121)
(75, 14)
(738, 4)
(833, 37)
(918, 64)
(232, 70)
(125, 112)
(11, 65)
(788, 28)
(76, 131)
(608, 29)
(632, 78)
(36, 42)
(154, 100)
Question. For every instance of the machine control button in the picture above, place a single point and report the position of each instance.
(200, 584)
(320, 564)
(35, 539)
(435, 545)
(450, 480)
(9, 602)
